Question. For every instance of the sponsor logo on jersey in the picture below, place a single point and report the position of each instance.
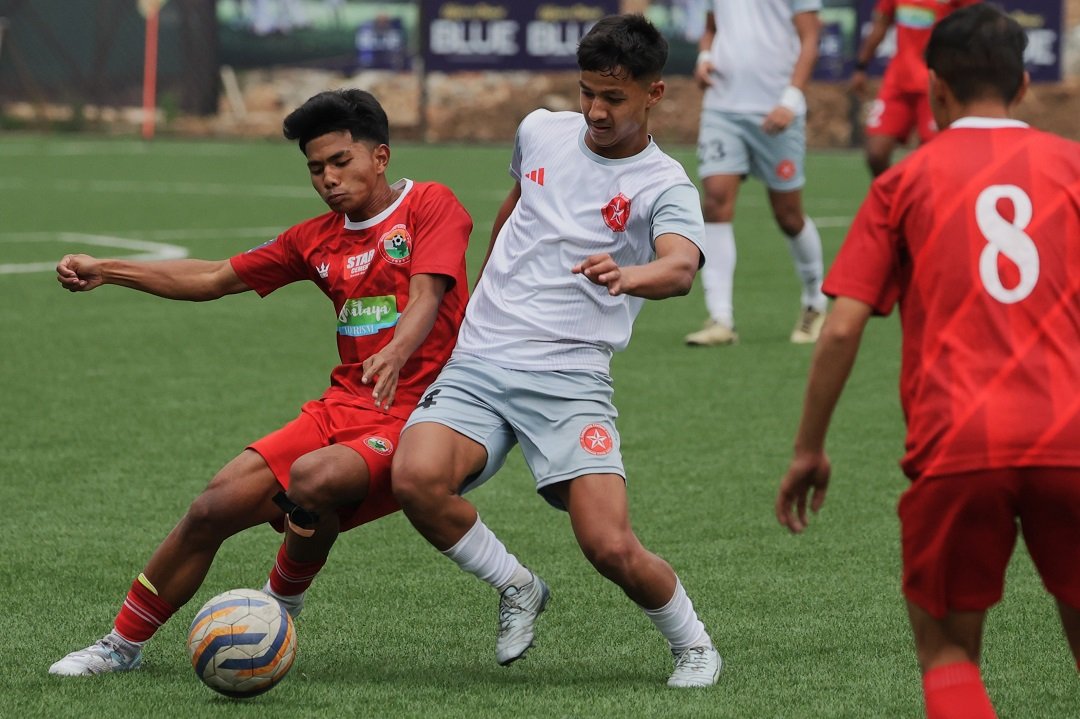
(380, 444)
(364, 316)
(913, 16)
(323, 270)
(595, 439)
(259, 247)
(359, 264)
(785, 170)
(616, 213)
(396, 245)
(536, 176)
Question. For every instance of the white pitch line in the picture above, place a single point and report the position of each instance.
(145, 250)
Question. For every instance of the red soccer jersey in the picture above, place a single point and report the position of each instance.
(914, 21)
(977, 236)
(365, 268)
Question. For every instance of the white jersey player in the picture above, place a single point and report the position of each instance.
(599, 220)
(756, 59)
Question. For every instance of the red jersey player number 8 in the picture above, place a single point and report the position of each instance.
(1007, 238)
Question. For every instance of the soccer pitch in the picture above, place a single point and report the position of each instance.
(118, 407)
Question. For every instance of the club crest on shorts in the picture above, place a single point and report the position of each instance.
(785, 170)
(396, 245)
(616, 213)
(595, 439)
(379, 444)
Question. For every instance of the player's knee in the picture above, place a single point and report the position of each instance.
(312, 484)
(791, 222)
(878, 161)
(206, 520)
(717, 207)
(418, 483)
(611, 555)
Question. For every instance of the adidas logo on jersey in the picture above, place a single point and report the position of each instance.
(536, 176)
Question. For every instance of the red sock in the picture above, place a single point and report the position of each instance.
(956, 691)
(289, 578)
(143, 612)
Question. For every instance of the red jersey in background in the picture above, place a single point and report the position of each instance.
(977, 236)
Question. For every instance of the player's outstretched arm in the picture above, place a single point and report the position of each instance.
(670, 274)
(187, 279)
(807, 478)
(425, 294)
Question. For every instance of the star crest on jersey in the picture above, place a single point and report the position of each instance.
(536, 176)
(616, 213)
(323, 270)
(396, 245)
(595, 439)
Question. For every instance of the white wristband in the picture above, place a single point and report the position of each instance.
(703, 56)
(793, 99)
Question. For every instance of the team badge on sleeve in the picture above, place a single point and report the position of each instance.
(616, 213)
(396, 245)
(595, 439)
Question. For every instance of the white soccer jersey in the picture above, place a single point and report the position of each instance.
(754, 52)
(529, 311)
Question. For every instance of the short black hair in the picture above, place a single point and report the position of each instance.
(355, 111)
(627, 44)
(979, 52)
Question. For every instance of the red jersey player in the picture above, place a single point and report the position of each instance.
(391, 258)
(987, 278)
(901, 105)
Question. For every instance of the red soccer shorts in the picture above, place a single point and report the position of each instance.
(373, 434)
(896, 114)
(958, 532)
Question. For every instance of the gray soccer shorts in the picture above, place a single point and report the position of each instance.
(564, 421)
(734, 144)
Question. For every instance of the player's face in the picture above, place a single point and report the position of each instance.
(616, 109)
(349, 175)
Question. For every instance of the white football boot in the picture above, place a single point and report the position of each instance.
(696, 667)
(111, 653)
(519, 608)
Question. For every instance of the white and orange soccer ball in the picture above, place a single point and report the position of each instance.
(241, 643)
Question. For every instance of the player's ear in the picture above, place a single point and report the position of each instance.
(381, 154)
(656, 92)
(1022, 91)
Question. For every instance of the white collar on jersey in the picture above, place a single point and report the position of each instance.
(406, 185)
(985, 123)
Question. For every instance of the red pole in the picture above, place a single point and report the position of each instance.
(149, 99)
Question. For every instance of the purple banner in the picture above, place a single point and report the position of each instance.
(509, 35)
(1042, 19)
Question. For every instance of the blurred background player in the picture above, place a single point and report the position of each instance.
(392, 260)
(987, 277)
(598, 220)
(902, 104)
(756, 59)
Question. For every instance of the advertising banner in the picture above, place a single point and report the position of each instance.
(1043, 20)
(508, 35)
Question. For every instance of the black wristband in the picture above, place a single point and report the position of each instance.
(861, 65)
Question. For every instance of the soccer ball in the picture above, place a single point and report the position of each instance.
(241, 643)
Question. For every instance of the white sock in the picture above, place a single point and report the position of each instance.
(718, 274)
(678, 622)
(806, 252)
(481, 553)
